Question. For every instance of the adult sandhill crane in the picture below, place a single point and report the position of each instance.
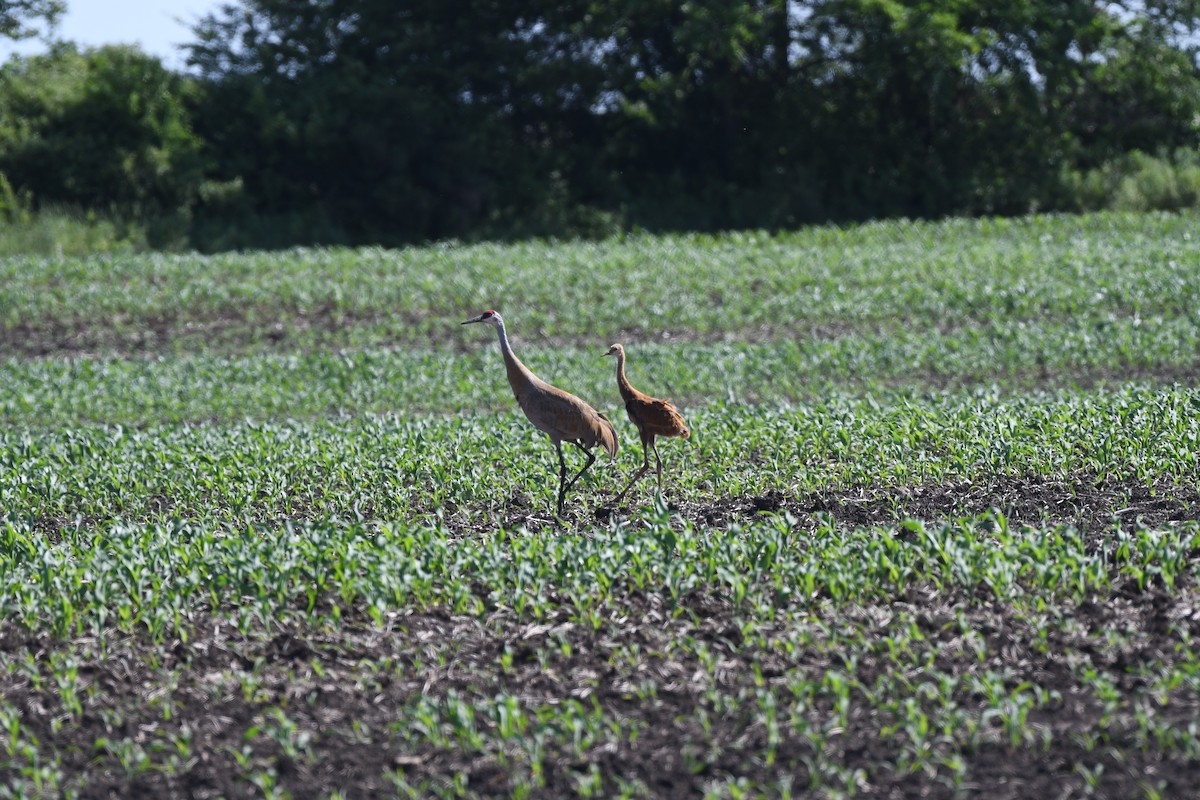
(560, 415)
(653, 418)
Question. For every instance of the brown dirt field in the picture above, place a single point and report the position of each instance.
(333, 690)
(1084, 501)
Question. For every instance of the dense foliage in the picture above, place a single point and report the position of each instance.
(437, 121)
(104, 129)
(363, 121)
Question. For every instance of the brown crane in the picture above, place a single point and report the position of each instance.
(560, 415)
(651, 416)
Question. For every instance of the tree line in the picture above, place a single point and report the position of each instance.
(372, 121)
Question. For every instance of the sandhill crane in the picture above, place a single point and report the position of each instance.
(651, 416)
(560, 415)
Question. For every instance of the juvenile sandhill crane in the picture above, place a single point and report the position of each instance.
(651, 416)
(560, 415)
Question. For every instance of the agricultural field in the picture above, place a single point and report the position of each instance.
(273, 525)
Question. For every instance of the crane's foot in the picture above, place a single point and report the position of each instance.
(560, 516)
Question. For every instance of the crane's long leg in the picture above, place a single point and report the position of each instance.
(563, 485)
(591, 459)
(642, 471)
(562, 476)
(659, 460)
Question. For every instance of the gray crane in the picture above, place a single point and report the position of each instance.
(560, 415)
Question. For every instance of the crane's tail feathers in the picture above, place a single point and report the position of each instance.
(608, 436)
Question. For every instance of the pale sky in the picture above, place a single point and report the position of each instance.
(157, 25)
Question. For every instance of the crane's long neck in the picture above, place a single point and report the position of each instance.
(623, 385)
(519, 376)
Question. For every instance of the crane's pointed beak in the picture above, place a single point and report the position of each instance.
(469, 321)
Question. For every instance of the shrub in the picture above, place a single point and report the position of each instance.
(1136, 182)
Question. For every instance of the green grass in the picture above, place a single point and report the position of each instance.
(271, 525)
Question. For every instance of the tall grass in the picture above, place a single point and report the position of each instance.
(62, 233)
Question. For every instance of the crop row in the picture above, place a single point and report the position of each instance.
(899, 275)
(751, 659)
(196, 388)
(394, 467)
(156, 578)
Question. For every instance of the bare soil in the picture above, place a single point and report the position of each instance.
(344, 691)
(1085, 501)
(237, 331)
(166, 333)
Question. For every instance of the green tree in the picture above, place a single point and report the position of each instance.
(371, 120)
(103, 129)
(19, 18)
(794, 111)
(383, 121)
